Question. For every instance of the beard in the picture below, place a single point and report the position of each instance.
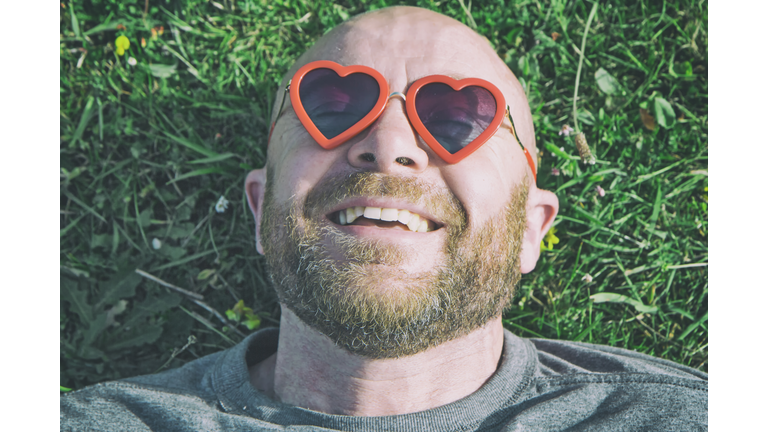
(355, 292)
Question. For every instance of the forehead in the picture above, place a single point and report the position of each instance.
(405, 44)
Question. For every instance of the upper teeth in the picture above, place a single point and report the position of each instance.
(414, 222)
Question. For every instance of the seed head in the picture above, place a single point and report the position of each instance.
(581, 145)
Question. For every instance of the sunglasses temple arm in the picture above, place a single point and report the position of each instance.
(525, 150)
(280, 111)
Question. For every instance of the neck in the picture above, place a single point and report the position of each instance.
(310, 371)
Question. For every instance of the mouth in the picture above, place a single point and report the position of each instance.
(391, 218)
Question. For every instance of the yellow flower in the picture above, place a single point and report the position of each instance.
(122, 43)
(551, 239)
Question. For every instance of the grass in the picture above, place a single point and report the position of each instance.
(147, 151)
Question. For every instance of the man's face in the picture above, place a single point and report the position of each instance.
(378, 288)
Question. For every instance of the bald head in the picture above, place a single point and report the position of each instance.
(418, 42)
(403, 30)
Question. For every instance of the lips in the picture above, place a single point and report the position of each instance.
(384, 213)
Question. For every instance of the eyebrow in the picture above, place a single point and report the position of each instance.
(454, 75)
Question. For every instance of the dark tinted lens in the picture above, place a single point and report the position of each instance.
(455, 118)
(334, 104)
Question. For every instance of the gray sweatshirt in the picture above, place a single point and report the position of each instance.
(540, 385)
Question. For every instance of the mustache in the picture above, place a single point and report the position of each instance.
(438, 201)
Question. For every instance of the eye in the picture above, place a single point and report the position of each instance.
(335, 104)
(334, 117)
(453, 128)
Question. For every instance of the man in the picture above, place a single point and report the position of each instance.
(397, 210)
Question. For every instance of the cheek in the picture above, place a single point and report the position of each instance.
(483, 183)
(298, 167)
(480, 194)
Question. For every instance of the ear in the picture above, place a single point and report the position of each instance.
(541, 209)
(255, 185)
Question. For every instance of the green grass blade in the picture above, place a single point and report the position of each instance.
(645, 177)
(218, 158)
(202, 171)
(84, 118)
(75, 22)
(71, 224)
(525, 329)
(586, 331)
(693, 326)
(186, 143)
(86, 207)
(655, 214)
(101, 120)
(101, 28)
(208, 324)
(606, 246)
(182, 261)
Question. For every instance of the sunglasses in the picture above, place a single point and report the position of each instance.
(453, 117)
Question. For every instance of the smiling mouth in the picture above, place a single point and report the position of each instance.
(383, 218)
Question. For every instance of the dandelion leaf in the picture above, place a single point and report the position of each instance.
(665, 115)
(136, 337)
(162, 71)
(145, 217)
(95, 327)
(77, 299)
(122, 285)
(606, 82)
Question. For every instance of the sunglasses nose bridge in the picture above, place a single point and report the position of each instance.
(396, 94)
(390, 142)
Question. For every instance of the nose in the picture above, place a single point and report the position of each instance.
(390, 144)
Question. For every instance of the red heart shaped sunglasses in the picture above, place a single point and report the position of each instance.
(453, 117)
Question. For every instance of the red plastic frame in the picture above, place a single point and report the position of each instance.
(413, 116)
(342, 71)
(410, 106)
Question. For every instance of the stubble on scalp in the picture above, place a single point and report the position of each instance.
(364, 302)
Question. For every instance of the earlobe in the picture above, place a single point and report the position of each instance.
(255, 185)
(541, 211)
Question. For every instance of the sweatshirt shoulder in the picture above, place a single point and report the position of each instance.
(596, 387)
(560, 358)
(131, 403)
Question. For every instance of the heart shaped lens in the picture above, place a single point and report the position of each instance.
(455, 118)
(333, 103)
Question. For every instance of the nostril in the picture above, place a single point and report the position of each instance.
(404, 161)
(368, 157)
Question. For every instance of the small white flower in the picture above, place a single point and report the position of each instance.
(221, 206)
(131, 61)
(600, 191)
(565, 130)
(156, 243)
(587, 277)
